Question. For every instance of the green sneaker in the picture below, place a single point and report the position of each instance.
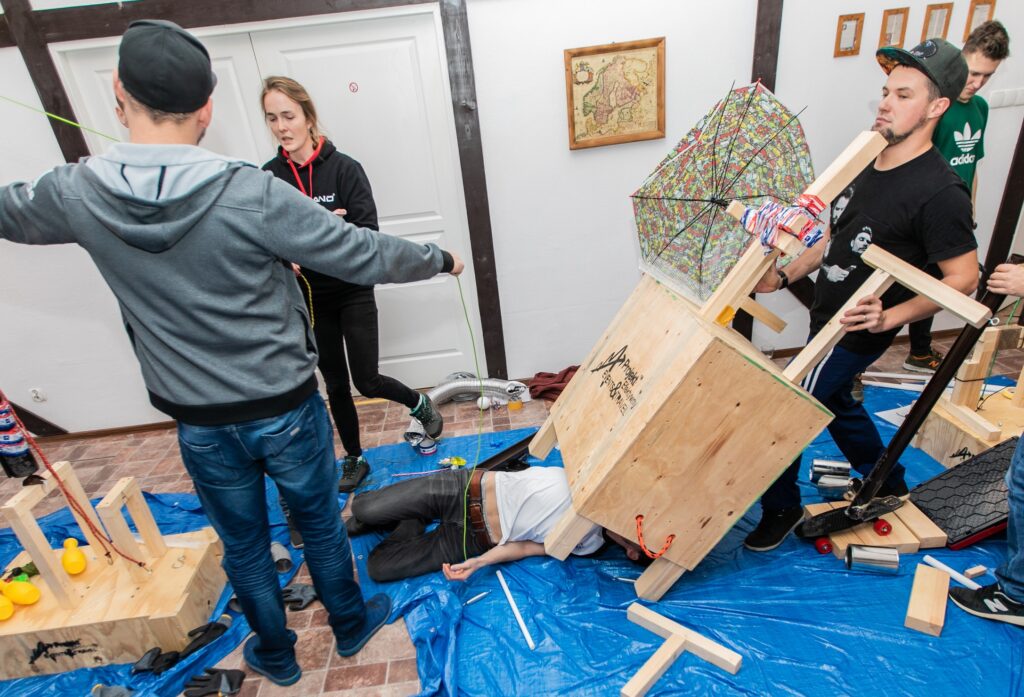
(923, 364)
(426, 413)
(353, 471)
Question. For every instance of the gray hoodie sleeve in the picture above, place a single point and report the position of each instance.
(301, 231)
(33, 212)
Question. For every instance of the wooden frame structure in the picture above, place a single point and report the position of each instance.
(678, 639)
(115, 609)
(675, 425)
(963, 425)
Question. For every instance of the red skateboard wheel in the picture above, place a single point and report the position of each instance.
(882, 527)
(823, 545)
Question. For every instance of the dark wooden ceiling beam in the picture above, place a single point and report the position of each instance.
(25, 31)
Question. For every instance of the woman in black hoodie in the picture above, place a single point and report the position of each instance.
(344, 314)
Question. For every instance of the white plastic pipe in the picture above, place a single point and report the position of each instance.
(515, 611)
(955, 575)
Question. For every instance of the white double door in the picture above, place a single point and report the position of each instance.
(380, 83)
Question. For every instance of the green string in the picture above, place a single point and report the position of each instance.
(992, 363)
(480, 425)
(59, 118)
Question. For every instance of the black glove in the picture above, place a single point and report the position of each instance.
(206, 634)
(298, 596)
(215, 682)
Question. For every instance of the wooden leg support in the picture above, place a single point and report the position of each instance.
(926, 611)
(545, 439)
(126, 493)
(658, 578)
(567, 533)
(677, 640)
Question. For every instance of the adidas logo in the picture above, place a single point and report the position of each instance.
(966, 140)
(961, 160)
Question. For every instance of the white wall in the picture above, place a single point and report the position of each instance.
(841, 95)
(565, 244)
(61, 327)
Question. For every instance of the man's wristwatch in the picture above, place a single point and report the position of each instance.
(783, 279)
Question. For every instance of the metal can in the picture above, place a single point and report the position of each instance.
(870, 558)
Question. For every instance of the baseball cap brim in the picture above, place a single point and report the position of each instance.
(890, 56)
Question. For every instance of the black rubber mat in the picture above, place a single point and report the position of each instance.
(969, 500)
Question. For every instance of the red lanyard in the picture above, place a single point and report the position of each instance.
(309, 162)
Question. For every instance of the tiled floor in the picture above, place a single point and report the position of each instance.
(387, 666)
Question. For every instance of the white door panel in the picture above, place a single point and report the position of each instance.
(380, 84)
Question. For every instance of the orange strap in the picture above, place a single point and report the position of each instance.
(643, 545)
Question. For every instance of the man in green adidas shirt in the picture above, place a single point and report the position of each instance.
(960, 138)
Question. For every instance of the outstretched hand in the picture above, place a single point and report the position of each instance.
(866, 314)
(461, 571)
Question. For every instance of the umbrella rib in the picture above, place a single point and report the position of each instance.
(732, 142)
(718, 126)
(704, 246)
(682, 229)
(761, 149)
(672, 198)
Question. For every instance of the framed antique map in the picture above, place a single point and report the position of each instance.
(615, 93)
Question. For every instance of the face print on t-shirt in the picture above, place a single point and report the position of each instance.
(838, 266)
(840, 204)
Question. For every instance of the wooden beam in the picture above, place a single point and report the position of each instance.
(570, 529)
(925, 530)
(697, 644)
(109, 510)
(474, 181)
(545, 438)
(860, 153)
(975, 421)
(969, 310)
(762, 314)
(926, 611)
(658, 578)
(976, 571)
(878, 282)
(654, 667)
(741, 279)
(24, 27)
(6, 38)
(767, 32)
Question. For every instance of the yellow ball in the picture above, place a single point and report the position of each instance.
(21, 592)
(6, 608)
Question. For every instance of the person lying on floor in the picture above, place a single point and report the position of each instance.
(506, 516)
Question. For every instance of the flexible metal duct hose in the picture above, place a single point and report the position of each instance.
(492, 387)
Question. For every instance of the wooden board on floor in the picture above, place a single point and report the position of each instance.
(926, 611)
(901, 538)
(118, 618)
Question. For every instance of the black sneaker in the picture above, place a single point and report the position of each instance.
(923, 364)
(857, 389)
(353, 471)
(294, 536)
(989, 602)
(426, 413)
(773, 528)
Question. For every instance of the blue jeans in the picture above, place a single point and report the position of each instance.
(296, 450)
(1011, 573)
(831, 382)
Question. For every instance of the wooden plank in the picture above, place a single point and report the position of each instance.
(901, 538)
(73, 486)
(544, 440)
(740, 280)
(928, 533)
(861, 152)
(39, 551)
(109, 510)
(1018, 392)
(969, 373)
(947, 297)
(975, 571)
(762, 314)
(658, 578)
(144, 521)
(654, 667)
(697, 644)
(570, 529)
(876, 284)
(978, 423)
(926, 611)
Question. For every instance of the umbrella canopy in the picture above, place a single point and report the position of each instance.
(749, 147)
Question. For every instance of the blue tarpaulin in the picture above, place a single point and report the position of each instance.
(803, 624)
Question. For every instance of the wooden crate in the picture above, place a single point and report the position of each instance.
(680, 420)
(114, 611)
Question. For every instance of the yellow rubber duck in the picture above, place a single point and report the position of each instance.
(6, 608)
(73, 559)
(21, 592)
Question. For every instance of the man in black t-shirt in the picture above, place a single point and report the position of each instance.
(908, 202)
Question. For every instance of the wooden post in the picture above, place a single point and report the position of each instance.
(545, 439)
(658, 578)
(124, 493)
(567, 533)
(677, 640)
(926, 611)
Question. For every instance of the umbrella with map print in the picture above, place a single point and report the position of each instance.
(749, 148)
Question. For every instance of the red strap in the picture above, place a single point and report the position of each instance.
(643, 546)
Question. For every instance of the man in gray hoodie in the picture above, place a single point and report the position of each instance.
(191, 243)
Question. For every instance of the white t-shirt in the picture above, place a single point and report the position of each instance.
(530, 503)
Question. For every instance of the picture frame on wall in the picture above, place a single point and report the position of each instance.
(615, 93)
(848, 32)
(980, 12)
(936, 20)
(894, 27)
